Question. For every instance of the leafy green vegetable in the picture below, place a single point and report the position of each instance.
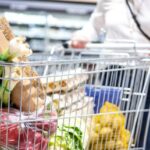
(6, 56)
(1, 70)
(4, 92)
(67, 138)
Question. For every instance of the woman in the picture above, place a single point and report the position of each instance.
(122, 19)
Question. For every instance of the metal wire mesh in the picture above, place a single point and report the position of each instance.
(74, 104)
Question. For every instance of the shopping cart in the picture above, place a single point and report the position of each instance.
(99, 101)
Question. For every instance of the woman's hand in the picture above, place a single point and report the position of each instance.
(79, 41)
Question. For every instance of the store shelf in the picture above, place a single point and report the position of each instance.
(61, 21)
(43, 29)
(47, 5)
(81, 1)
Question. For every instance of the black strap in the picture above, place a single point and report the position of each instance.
(136, 21)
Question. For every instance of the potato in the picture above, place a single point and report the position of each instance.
(107, 145)
(106, 120)
(105, 133)
(125, 136)
(97, 146)
(118, 122)
(97, 128)
(96, 119)
(109, 107)
(119, 145)
(94, 137)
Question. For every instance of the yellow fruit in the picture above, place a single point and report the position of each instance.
(125, 136)
(97, 146)
(118, 122)
(109, 129)
(109, 107)
(119, 145)
(110, 145)
(96, 119)
(106, 120)
(105, 133)
(94, 137)
(97, 128)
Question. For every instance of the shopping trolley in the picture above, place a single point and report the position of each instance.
(77, 102)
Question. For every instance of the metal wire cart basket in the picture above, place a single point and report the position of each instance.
(76, 103)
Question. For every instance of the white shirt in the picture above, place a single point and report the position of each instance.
(114, 16)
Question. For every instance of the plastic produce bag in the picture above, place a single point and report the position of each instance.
(25, 134)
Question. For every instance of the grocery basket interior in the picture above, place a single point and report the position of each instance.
(57, 96)
(74, 104)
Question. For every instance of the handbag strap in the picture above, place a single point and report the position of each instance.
(136, 21)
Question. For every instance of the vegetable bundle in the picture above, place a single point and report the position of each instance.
(67, 138)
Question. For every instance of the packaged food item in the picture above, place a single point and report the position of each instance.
(64, 81)
(24, 134)
(30, 139)
(74, 102)
(29, 94)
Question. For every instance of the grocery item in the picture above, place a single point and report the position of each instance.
(74, 101)
(28, 95)
(19, 48)
(108, 145)
(71, 135)
(5, 28)
(64, 81)
(4, 44)
(67, 138)
(108, 129)
(30, 139)
(101, 94)
(50, 124)
(24, 134)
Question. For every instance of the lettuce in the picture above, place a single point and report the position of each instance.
(67, 138)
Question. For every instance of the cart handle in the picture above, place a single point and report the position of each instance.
(112, 45)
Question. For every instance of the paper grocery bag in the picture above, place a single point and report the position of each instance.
(29, 94)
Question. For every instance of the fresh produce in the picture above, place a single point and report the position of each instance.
(67, 138)
(70, 135)
(108, 129)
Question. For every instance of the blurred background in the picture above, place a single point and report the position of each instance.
(46, 23)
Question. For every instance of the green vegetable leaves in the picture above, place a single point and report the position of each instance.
(4, 92)
(6, 56)
(67, 138)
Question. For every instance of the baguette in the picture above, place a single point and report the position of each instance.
(5, 28)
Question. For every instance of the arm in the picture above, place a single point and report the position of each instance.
(96, 22)
(91, 30)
